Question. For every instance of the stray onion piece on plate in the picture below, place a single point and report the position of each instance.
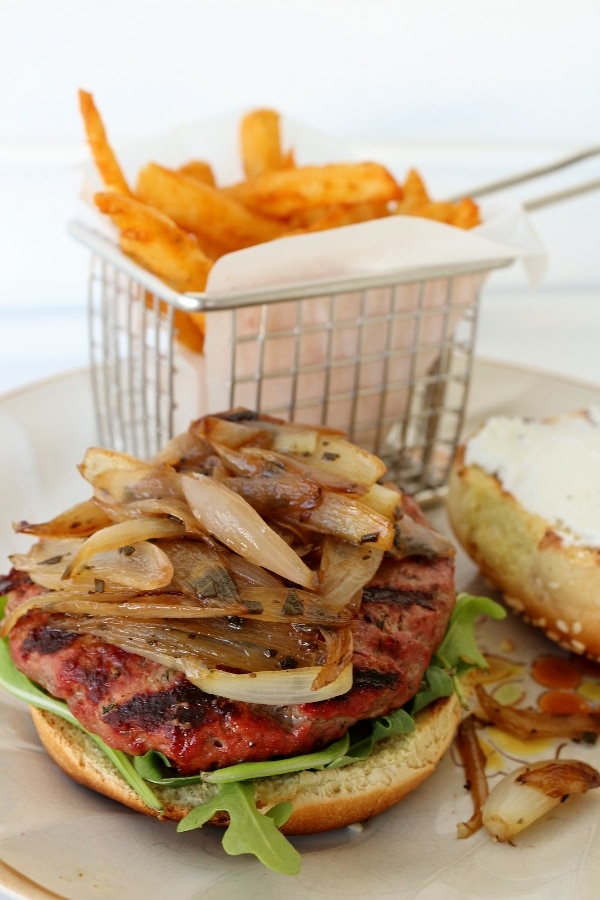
(531, 791)
(527, 793)
(473, 760)
(530, 723)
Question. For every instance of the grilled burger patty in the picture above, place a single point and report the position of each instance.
(137, 705)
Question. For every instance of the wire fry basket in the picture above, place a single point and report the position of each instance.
(385, 359)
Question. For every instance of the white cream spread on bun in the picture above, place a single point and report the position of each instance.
(552, 467)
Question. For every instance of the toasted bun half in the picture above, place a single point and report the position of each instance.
(322, 800)
(551, 584)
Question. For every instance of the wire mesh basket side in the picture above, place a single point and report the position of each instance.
(388, 365)
(131, 349)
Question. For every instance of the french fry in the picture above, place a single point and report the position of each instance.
(282, 192)
(417, 202)
(200, 170)
(179, 221)
(203, 210)
(414, 188)
(260, 142)
(321, 219)
(156, 242)
(102, 153)
(439, 212)
(466, 214)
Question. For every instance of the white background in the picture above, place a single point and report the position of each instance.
(466, 90)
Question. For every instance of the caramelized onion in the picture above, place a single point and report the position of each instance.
(270, 664)
(244, 545)
(231, 432)
(201, 572)
(345, 569)
(473, 761)
(531, 791)
(80, 520)
(337, 455)
(122, 604)
(47, 559)
(347, 518)
(275, 688)
(234, 522)
(165, 507)
(529, 723)
(118, 478)
(274, 495)
(251, 462)
(140, 565)
(125, 534)
(414, 539)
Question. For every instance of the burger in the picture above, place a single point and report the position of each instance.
(251, 624)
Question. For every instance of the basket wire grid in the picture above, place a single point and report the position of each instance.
(406, 403)
(404, 400)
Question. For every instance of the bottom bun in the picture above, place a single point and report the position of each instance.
(321, 800)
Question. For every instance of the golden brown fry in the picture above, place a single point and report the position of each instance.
(200, 170)
(260, 142)
(439, 212)
(104, 157)
(289, 160)
(417, 202)
(466, 214)
(414, 187)
(282, 192)
(204, 210)
(154, 241)
(320, 219)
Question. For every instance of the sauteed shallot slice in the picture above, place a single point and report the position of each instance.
(233, 521)
(531, 791)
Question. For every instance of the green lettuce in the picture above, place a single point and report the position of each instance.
(249, 830)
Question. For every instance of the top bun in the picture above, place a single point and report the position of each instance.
(322, 800)
(520, 501)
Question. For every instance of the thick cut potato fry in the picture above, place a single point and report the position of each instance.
(200, 170)
(156, 242)
(179, 221)
(203, 209)
(282, 192)
(260, 142)
(414, 188)
(466, 214)
(104, 157)
(417, 202)
(335, 216)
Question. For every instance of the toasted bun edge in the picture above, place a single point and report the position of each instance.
(552, 585)
(321, 800)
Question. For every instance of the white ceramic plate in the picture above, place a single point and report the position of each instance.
(60, 840)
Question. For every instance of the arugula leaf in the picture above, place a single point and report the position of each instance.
(459, 651)
(152, 765)
(397, 722)
(249, 831)
(437, 683)
(245, 771)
